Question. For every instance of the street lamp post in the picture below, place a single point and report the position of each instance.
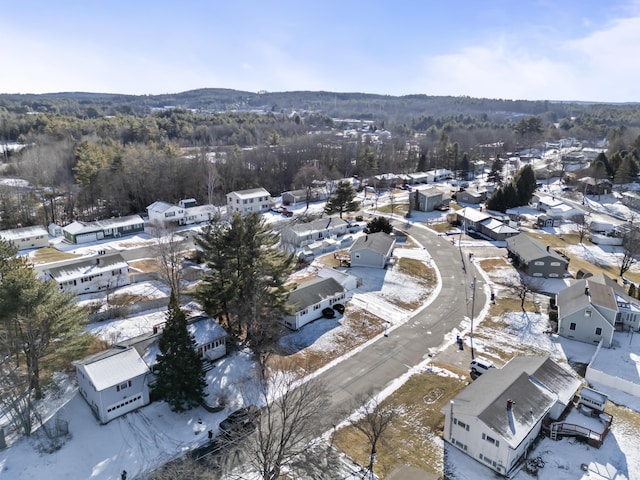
(473, 302)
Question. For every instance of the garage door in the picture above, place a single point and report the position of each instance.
(86, 237)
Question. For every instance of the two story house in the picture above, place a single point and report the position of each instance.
(186, 212)
(536, 259)
(248, 201)
(89, 275)
(590, 309)
(497, 418)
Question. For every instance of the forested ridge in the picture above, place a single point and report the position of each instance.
(92, 155)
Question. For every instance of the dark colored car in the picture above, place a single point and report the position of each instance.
(240, 422)
(338, 307)
(328, 312)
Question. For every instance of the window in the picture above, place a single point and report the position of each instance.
(316, 307)
(587, 313)
(538, 262)
(123, 385)
(555, 264)
(491, 440)
(461, 424)
(572, 326)
(598, 331)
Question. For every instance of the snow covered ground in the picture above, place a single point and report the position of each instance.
(152, 435)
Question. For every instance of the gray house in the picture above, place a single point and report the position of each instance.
(425, 199)
(536, 259)
(496, 419)
(317, 194)
(372, 250)
(309, 299)
(472, 196)
(587, 312)
(590, 310)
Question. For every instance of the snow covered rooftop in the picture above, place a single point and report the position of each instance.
(113, 367)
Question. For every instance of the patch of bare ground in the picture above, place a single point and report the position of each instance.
(491, 264)
(50, 254)
(358, 327)
(421, 274)
(145, 265)
(414, 437)
(123, 299)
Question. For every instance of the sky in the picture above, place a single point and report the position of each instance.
(583, 50)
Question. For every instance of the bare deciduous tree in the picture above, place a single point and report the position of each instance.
(372, 419)
(169, 250)
(15, 398)
(522, 286)
(582, 225)
(286, 427)
(630, 249)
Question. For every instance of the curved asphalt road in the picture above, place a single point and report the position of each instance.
(372, 369)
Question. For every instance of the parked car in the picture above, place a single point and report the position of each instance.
(328, 312)
(338, 307)
(240, 422)
(480, 365)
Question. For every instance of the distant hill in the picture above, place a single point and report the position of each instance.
(334, 104)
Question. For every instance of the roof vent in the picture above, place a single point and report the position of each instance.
(509, 404)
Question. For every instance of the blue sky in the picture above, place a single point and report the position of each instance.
(518, 49)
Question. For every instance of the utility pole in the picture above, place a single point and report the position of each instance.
(473, 303)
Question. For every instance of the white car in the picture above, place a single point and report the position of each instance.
(480, 365)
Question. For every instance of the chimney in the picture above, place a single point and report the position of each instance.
(366, 237)
(98, 261)
(547, 248)
(509, 404)
(586, 291)
(155, 329)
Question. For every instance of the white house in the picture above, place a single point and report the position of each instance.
(116, 381)
(248, 201)
(187, 212)
(88, 275)
(26, 237)
(372, 250)
(113, 382)
(301, 234)
(439, 175)
(309, 299)
(497, 418)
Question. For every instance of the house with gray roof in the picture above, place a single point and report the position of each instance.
(536, 259)
(308, 300)
(372, 250)
(471, 195)
(84, 232)
(315, 194)
(302, 234)
(496, 419)
(425, 199)
(590, 309)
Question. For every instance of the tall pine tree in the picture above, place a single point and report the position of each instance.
(180, 378)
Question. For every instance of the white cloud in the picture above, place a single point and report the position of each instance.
(597, 67)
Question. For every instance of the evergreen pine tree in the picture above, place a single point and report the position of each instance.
(343, 200)
(180, 378)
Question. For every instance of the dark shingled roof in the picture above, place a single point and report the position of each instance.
(530, 249)
(314, 291)
(378, 242)
(531, 383)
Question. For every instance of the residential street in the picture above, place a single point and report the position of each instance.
(373, 368)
